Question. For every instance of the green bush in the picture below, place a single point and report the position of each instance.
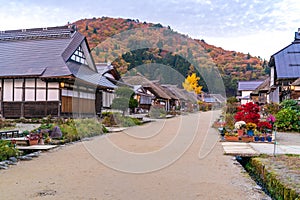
(7, 150)
(157, 112)
(116, 119)
(288, 119)
(290, 103)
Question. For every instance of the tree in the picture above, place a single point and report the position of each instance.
(248, 112)
(191, 84)
(124, 99)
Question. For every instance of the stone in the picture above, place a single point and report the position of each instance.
(56, 133)
(25, 158)
(13, 159)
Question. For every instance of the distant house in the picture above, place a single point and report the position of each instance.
(261, 95)
(110, 72)
(48, 71)
(160, 96)
(245, 88)
(285, 70)
(143, 97)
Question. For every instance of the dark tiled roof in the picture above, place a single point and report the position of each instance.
(83, 72)
(248, 85)
(287, 60)
(30, 52)
(45, 53)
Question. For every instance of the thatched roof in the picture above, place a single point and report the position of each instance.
(147, 84)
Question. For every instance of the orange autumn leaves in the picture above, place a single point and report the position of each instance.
(191, 84)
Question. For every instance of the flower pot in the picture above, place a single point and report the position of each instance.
(250, 132)
(262, 139)
(247, 139)
(240, 132)
(256, 138)
(33, 142)
(269, 139)
(232, 138)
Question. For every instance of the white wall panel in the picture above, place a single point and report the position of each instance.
(41, 83)
(29, 94)
(41, 94)
(53, 85)
(53, 95)
(30, 82)
(18, 94)
(19, 82)
(8, 90)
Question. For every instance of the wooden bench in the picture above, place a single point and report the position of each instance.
(10, 134)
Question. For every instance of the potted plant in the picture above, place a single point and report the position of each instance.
(247, 138)
(231, 136)
(33, 138)
(240, 127)
(269, 137)
(264, 126)
(250, 128)
(257, 134)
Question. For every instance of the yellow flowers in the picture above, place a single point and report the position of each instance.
(191, 84)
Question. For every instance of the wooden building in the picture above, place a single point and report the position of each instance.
(245, 88)
(48, 71)
(285, 69)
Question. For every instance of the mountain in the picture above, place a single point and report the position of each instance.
(129, 44)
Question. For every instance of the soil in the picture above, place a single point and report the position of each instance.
(74, 172)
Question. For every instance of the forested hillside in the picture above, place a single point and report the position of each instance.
(129, 44)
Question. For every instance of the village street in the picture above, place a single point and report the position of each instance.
(76, 171)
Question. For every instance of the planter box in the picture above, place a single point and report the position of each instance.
(232, 138)
(33, 142)
(240, 132)
(247, 139)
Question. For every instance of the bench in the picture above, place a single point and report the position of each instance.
(10, 134)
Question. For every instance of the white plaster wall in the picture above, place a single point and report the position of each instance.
(8, 90)
(41, 94)
(53, 95)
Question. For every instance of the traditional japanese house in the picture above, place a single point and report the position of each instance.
(260, 95)
(160, 97)
(48, 71)
(285, 69)
(245, 88)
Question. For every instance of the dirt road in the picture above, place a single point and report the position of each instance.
(178, 158)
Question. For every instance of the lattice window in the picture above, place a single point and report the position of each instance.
(78, 56)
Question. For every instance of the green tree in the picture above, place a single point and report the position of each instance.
(124, 99)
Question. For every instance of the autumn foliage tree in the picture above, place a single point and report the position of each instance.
(191, 84)
(248, 112)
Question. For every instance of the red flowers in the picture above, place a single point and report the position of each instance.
(262, 126)
(248, 112)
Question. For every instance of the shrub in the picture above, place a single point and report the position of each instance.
(290, 103)
(157, 111)
(229, 119)
(7, 150)
(271, 108)
(288, 119)
(116, 119)
(248, 112)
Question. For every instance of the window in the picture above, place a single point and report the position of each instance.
(78, 56)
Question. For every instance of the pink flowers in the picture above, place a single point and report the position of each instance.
(271, 119)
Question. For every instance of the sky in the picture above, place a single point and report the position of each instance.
(258, 27)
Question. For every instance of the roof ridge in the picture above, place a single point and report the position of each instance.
(38, 33)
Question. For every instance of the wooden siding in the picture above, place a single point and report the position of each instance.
(77, 105)
(31, 109)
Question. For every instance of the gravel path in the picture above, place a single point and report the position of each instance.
(75, 171)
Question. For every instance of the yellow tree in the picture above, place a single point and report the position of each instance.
(191, 84)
